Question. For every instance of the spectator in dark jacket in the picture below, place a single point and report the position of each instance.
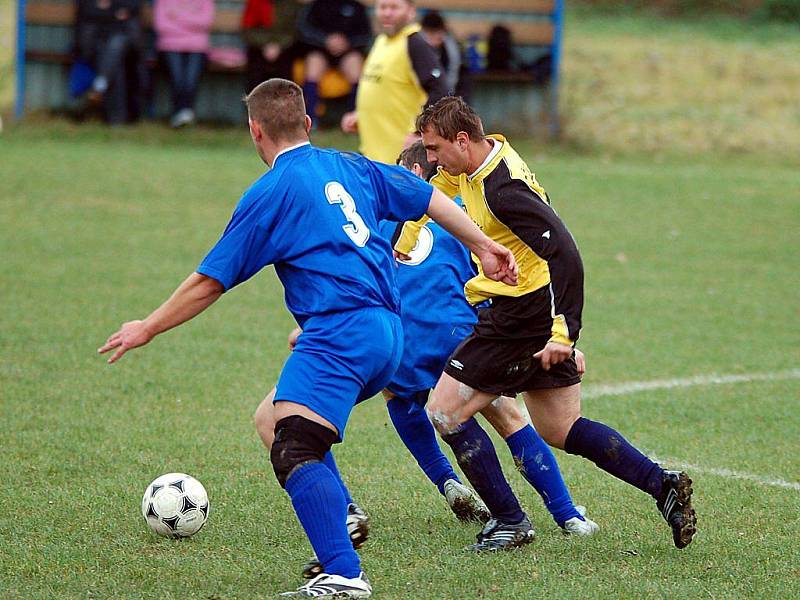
(434, 30)
(109, 39)
(268, 31)
(335, 33)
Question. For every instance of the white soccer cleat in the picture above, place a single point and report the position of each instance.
(333, 586)
(465, 502)
(575, 526)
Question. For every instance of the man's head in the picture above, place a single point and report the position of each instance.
(277, 115)
(433, 28)
(415, 160)
(452, 134)
(393, 15)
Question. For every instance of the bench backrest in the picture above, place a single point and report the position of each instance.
(535, 27)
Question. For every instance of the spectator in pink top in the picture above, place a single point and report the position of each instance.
(182, 37)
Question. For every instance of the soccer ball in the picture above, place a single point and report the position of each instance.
(175, 505)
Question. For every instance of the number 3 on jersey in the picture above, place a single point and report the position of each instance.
(355, 228)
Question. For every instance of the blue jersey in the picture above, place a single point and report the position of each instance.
(315, 216)
(435, 313)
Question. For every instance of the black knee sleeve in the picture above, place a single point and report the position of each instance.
(298, 441)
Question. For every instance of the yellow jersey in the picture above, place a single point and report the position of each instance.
(509, 205)
(389, 97)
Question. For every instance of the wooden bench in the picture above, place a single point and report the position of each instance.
(507, 101)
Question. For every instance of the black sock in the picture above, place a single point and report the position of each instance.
(614, 454)
(477, 458)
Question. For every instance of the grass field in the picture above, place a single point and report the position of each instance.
(691, 271)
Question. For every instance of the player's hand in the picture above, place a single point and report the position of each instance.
(349, 123)
(131, 335)
(552, 354)
(293, 337)
(400, 256)
(498, 263)
(580, 361)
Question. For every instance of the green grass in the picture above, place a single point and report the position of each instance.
(637, 82)
(691, 270)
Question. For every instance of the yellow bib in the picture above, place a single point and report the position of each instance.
(389, 97)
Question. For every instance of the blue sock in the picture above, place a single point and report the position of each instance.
(476, 457)
(311, 95)
(330, 462)
(613, 453)
(319, 503)
(415, 429)
(538, 466)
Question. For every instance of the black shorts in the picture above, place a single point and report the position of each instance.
(497, 357)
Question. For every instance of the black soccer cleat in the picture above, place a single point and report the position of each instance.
(496, 536)
(357, 529)
(675, 505)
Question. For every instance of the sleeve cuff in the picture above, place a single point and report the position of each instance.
(560, 338)
(409, 234)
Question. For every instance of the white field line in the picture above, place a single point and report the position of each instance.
(728, 473)
(630, 387)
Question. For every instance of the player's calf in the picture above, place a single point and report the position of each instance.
(358, 530)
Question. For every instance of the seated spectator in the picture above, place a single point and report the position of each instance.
(334, 33)
(268, 29)
(435, 32)
(182, 37)
(109, 40)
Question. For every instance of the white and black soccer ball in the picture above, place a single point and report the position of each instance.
(175, 505)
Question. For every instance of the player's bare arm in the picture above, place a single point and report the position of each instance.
(497, 261)
(192, 297)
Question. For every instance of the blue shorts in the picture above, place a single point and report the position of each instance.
(426, 350)
(341, 359)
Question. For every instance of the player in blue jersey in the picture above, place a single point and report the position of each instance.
(435, 317)
(313, 216)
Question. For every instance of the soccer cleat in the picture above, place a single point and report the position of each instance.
(676, 507)
(357, 525)
(582, 528)
(497, 536)
(357, 529)
(333, 586)
(465, 502)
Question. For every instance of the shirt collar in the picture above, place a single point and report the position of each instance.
(497, 145)
(289, 149)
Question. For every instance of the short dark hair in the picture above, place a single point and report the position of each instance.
(277, 105)
(449, 115)
(416, 153)
(433, 20)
